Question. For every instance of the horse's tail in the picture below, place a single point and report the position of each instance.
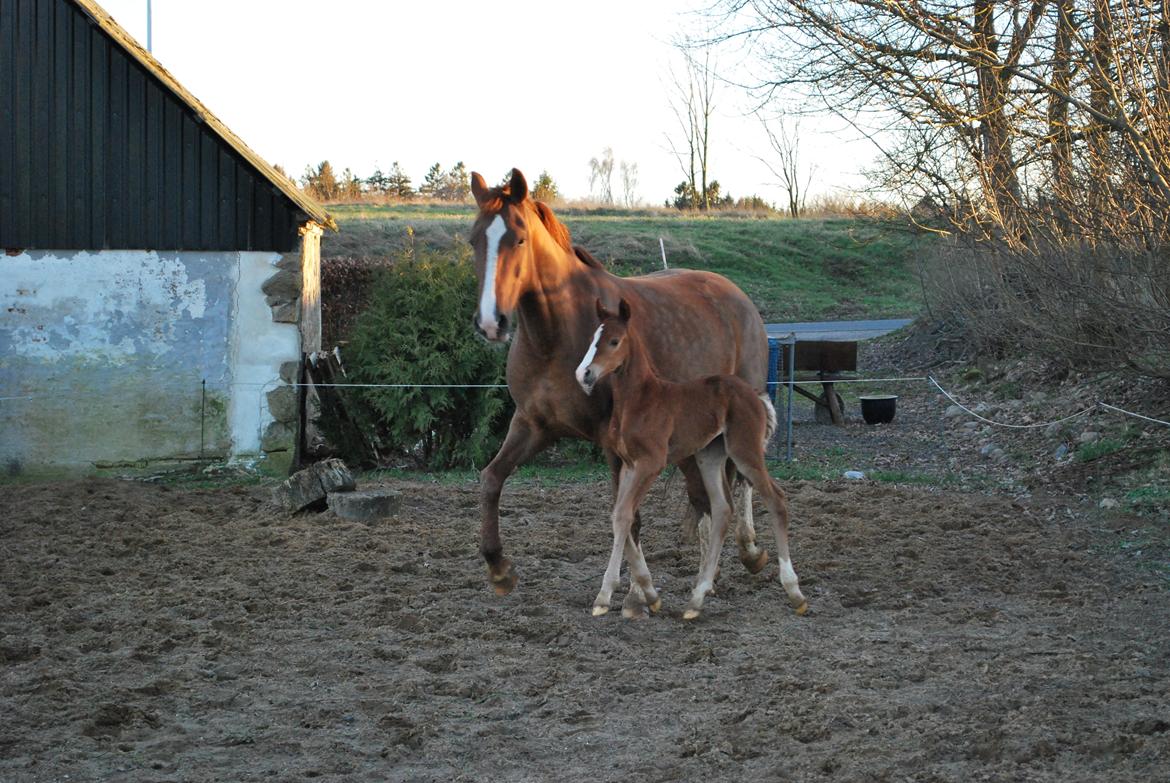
(770, 410)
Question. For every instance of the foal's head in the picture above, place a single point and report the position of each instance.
(610, 347)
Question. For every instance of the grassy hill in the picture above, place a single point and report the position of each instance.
(795, 270)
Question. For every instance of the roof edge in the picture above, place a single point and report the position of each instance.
(282, 183)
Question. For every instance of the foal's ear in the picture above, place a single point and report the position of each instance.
(624, 310)
(479, 189)
(602, 313)
(518, 187)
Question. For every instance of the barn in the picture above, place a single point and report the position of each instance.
(159, 281)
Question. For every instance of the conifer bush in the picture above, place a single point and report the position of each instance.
(416, 329)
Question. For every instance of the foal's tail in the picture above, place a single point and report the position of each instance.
(770, 410)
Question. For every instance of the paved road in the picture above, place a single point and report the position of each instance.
(844, 331)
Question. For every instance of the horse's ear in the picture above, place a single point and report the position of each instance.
(479, 189)
(602, 313)
(518, 187)
(624, 310)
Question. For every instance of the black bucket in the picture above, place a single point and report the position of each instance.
(879, 408)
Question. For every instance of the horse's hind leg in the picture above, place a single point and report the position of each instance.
(751, 465)
(750, 554)
(697, 520)
(711, 462)
(524, 440)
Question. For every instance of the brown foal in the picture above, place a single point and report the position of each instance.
(656, 422)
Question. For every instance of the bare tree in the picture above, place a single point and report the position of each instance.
(629, 183)
(693, 104)
(601, 176)
(787, 168)
(1040, 128)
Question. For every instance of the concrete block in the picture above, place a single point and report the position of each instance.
(312, 484)
(366, 505)
(287, 313)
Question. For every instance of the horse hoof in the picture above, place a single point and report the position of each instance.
(757, 565)
(634, 612)
(654, 607)
(802, 610)
(503, 582)
(600, 610)
(690, 614)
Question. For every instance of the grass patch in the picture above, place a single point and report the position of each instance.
(805, 269)
(1100, 448)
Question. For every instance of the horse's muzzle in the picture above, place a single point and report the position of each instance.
(493, 331)
(587, 380)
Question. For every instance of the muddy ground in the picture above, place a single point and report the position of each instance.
(153, 632)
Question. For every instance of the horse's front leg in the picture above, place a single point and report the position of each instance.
(636, 602)
(633, 485)
(524, 440)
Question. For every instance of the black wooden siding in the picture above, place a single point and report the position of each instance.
(95, 152)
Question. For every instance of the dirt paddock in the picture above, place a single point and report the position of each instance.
(157, 633)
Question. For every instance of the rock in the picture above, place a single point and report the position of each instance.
(854, 474)
(278, 436)
(1108, 503)
(290, 372)
(365, 505)
(986, 449)
(1053, 430)
(971, 425)
(312, 484)
(1088, 437)
(998, 455)
(282, 403)
(1061, 452)
(953, 411)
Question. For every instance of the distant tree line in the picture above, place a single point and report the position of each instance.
(438, 184)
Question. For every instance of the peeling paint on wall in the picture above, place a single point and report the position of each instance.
(103, 355)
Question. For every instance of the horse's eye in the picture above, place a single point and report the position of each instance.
(520, 241)
(613, 343)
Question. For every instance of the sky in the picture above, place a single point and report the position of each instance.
(536, 85)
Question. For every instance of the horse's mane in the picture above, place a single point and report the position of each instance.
(556, 229)
(587, 258)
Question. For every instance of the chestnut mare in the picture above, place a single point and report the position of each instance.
(656, 422)
(530, 276)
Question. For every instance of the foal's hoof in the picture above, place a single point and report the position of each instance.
(504, 580)
(600, 610)
(654, 607)
(690, 614)
(802, 610)
(756, 564)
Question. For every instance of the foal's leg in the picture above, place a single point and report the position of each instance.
(523, 441)
(634, 484)
(751, 465)
(636, 602)
(712, 461)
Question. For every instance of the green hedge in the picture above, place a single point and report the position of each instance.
(416, 329)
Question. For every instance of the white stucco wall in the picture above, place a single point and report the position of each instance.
(258, 346)
(105, 355)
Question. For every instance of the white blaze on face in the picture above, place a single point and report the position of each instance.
(584, 365)
(487, 300)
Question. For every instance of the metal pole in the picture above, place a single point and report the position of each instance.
(791, 389)
(202, 417)
(149, 37)
(662, 247)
